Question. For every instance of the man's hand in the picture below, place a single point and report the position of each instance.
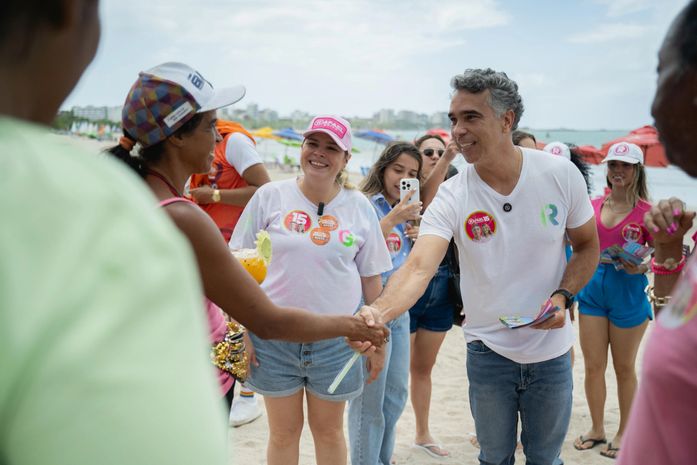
(375, 363)
(558, 320)
(202, 195)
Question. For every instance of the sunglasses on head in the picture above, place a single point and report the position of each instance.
(430, 152)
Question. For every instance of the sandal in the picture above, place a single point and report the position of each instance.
(610, 452)
(593, 443)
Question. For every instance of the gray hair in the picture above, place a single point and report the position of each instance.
(503, 91)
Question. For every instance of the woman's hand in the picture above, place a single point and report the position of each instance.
(668, 221)
(202, 195)
(375, 362)
(403, 211)
(412, 231)
(631, 268)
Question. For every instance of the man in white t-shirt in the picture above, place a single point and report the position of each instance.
(509, 211)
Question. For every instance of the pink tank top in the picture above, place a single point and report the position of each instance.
(216, 319)
(630, 229)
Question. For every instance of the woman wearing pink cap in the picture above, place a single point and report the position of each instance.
(614, 310)
(329, 253)
(170, 113)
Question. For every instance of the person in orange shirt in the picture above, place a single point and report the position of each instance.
(236, 173)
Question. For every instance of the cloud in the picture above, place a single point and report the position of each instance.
(609, 33)
(617, 8)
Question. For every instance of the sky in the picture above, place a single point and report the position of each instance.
(580, 64)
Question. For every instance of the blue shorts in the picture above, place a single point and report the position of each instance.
(617, 296)
(434, 310)
(287, 367)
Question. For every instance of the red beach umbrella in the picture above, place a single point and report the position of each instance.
(645, 137)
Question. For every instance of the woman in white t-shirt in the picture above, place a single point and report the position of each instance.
(328, 251)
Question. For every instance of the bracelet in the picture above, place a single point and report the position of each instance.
(667, 267)
(658, 302)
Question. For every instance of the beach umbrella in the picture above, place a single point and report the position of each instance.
(376, 136)
(288, 133)
(264, 133)
(445, 135)
(646, 137)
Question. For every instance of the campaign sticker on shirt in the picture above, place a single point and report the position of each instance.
(328, 222)
(320, 236)
(297, 221)
(683, 304)
(394, 243)
(346, 238)
(480, 226)
(631, 232)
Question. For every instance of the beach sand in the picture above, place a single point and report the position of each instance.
(451, 421)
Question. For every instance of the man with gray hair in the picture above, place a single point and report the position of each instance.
(528, 202)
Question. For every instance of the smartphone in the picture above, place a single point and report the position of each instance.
(405, 186)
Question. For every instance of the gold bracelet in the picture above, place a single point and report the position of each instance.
(658, 302)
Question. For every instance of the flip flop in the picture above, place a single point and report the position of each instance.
(594, 442)
(429, 449)
(610, 450)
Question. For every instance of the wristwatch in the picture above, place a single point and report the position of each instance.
(216, 196)
(568, 296)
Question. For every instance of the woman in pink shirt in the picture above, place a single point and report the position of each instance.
(613, 307)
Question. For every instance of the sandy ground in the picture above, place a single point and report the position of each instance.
(451, 421)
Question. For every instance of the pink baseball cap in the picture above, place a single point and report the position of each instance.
(335, 127)
(626, 152)
(558, 148)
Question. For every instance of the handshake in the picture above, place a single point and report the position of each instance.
(369, 333)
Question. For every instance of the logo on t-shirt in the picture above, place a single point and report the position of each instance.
(631, 232)
(320, 236)
(549, 215)
(346, 237)
(328, 222)
(394, 243)
(480, 226)
(297, 221)
(214, 174)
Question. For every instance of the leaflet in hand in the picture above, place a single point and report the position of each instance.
(631, 252)
(519, 321)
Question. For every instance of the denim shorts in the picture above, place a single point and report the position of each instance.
(286, 367)
(617, 296)
(434, 310)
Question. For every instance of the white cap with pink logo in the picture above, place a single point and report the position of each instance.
(335, 127)
(626, 152)
(559, 149)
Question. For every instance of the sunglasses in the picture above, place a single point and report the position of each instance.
(430, 152)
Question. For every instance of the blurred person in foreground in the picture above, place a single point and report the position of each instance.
(516, 194)
(664, 414)
(102, 339)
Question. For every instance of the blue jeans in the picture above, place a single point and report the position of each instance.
(501, 388)
(372, 416)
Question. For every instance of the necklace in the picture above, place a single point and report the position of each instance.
(167, 183)
(611, 204)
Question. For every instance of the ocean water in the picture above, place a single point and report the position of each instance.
(662, 182)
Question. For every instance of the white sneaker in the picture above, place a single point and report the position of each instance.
(244, 410)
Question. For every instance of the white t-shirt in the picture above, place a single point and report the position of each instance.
(241, 152)
(317, 261)
(511, 261)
